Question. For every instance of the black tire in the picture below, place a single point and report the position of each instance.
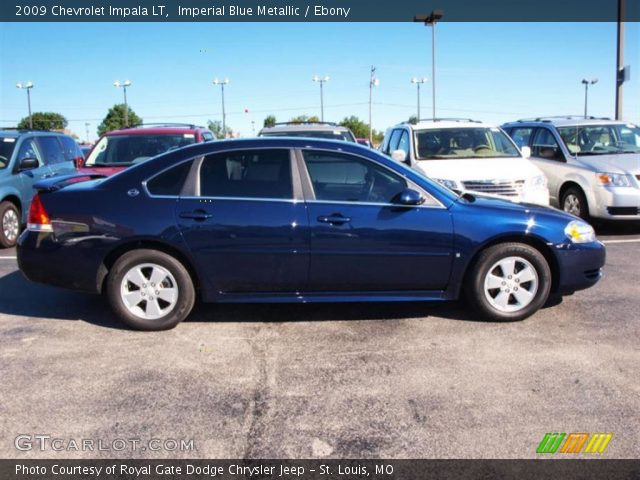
(574, 196)
(182, 306)
(9, 213)
(485, 264)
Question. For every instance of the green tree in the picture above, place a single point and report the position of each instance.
(304, 118)
(44, 121)
(115, 119)
(357, 126)
(216, 128)
(269, 121)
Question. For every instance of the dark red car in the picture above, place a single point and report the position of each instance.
(120, 149)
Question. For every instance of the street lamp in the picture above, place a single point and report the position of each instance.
(321, 81)
(222, 83)
(431, 20)
(27, 86)
(418, 82)
(586, 84)
(124, 85)
(373, 82)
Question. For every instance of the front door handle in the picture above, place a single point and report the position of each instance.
(198, 215)
(334, 219)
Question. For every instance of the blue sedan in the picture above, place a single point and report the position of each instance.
(296, 220)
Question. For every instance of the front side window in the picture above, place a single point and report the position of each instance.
(247, 174)
(393, 141)
(545, 145)
(28, 149)
(125, 150)
(601, 139)
(455, 143)
(345, 178)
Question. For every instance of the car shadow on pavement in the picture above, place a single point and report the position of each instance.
(19, 296)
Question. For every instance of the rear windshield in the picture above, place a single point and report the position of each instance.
(119, 150)
(6, 150)
(326, 134)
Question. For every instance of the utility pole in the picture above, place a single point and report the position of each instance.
(124, 85)
(321, 81)
(27, 86)
(373, 82)
(222, 83)
(418, 81)
(86, 126)
(586, 84)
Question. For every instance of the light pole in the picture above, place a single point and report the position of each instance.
(222, 83)
(321, 81)
(373, 82)
(86, 126)
(27, 86)
(419, 81)
(431, 20)
(586, 84)
(124, 85)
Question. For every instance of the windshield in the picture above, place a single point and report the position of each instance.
(6, 149)
(327, 134)
(601, 139)
(454, 143)
(124, 150)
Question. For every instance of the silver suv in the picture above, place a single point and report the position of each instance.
(326, 130)
(592, 165)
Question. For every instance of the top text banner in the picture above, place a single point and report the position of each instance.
(316, 10)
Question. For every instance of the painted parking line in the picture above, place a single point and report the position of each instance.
(630, 240)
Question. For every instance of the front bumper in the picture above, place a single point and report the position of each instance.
(620, 203)
(579, 266)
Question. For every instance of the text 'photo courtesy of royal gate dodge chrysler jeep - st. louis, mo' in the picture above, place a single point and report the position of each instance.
(288, 219)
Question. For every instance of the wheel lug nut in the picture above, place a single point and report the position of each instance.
(143, 294)
(144, 285)
(509, 277)
(157, 292)
(517, 280)
(515, 289)
(153, 284)
(504, 283)
(150, 298)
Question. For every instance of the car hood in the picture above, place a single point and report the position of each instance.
(108, 171)
(617, 163)
(499, 203)
(480, 169)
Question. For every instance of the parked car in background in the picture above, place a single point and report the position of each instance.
(365, 142)
(326, 130)
(593, 165)
(464, 154)
(119, 149)
(297, 220)
(85, 148)
(27, 156)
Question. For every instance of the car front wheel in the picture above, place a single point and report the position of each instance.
(150, 290)
(509, 282)
(9, 224)
(574, 202)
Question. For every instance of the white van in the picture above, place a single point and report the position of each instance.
(468, 155)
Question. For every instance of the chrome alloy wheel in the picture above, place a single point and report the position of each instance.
(511, 284)
(10, 225)
(572, 204)
(149, 291)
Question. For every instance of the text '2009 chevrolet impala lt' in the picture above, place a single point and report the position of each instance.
(296, 220)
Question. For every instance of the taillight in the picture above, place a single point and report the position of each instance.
(39, 220)
(78, 162)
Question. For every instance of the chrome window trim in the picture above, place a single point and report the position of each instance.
(410, 183)
(373, 204)
(243, 199)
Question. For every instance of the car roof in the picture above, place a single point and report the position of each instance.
(156, 129)
(304, 127)
(566, 121)
(440, 123)
(13, 132)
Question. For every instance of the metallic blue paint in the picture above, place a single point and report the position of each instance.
(281, 251)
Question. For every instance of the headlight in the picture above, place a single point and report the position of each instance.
(580, 232)
(450, 184)
(613, 179)
(539, 181)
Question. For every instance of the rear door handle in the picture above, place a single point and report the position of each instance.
(334, 219)
(198, 215)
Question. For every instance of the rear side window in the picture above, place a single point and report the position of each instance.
(169, 182)
(51, 150)
(207, 136)
(70, 149)
(247, 174)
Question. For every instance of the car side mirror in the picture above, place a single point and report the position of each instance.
(28, 164)
(526, 152)
(399, 155)
(408, 197)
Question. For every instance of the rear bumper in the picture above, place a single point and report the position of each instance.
(580, 266)
(43, 260)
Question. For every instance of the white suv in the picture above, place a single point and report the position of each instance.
(593, 165)
(467, 155)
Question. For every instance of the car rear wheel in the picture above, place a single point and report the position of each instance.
(509, 282)
(9, 224)
(574, 202)
(150, 290)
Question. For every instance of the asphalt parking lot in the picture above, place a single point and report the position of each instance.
(359, 380)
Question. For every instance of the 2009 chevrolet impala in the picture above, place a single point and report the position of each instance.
(296, 220)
